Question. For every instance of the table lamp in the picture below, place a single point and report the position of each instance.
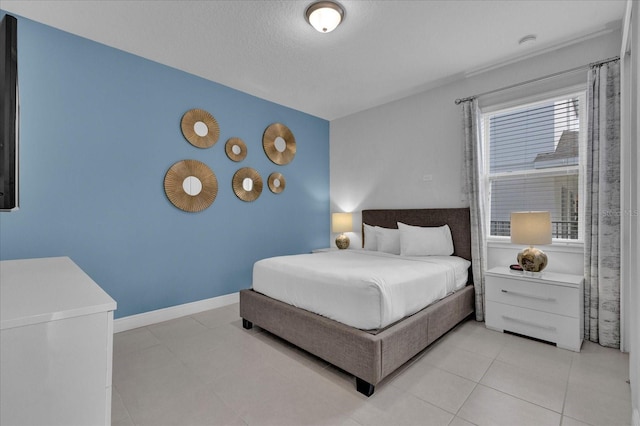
(531, 228)
(342, 222)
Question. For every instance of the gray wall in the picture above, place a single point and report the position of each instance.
(384, 157)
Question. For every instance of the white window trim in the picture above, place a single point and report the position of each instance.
(577, 90)
(558, 245)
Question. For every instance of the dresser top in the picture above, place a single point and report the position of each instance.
(570, 280)
(41, 290)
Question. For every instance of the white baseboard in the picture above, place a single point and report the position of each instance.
(166, 314)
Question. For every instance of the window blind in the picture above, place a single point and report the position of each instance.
(534, 164)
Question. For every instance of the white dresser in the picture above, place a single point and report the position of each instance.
(548, 306)
(56, 343)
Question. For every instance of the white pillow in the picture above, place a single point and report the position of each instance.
(370, 240)
(425, 241)
(388, 240)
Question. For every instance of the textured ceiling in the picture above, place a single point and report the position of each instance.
(384, 50)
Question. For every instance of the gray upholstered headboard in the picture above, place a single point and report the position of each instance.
(458, 220)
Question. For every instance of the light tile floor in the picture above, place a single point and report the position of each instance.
(205, 369)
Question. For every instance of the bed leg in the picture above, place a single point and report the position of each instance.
(246, 324)
(364, 388)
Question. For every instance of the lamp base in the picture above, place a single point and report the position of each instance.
(532, 259)
(342, 242)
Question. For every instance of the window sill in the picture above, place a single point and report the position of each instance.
(557, 246)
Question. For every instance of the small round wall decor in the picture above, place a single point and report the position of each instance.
(247, 184)
(200, 128)
(276, 182)
(279, 144)
(190, 185)
(236, 149)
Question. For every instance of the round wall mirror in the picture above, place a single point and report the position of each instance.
(276, 183)
(247, 184)
(200, 128)
(190, 185)
(235, 149)
(279, 144)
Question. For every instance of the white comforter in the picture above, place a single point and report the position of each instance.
(363, 289)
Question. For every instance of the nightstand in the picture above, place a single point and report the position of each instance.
(547, 306)
(322, 250)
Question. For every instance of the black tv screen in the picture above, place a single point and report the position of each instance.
(10, 115)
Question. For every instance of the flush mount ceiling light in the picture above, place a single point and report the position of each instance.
(324, 16)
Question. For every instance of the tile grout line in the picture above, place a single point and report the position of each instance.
(475, 386)
(517, 397)
(126, 409)
(566, 389)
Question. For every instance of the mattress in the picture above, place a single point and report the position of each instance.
(363, 289)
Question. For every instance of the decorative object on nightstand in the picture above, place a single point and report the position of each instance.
(531, 228)
(342, 222)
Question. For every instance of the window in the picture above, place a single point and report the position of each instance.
(534, 162)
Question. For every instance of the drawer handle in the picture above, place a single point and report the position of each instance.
(533, 324)
(530, 296)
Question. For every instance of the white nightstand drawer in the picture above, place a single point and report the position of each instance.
(564, 331)
(541, 297)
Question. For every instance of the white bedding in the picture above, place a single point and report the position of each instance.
(363, 289)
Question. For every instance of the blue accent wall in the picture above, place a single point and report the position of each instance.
(99, 130)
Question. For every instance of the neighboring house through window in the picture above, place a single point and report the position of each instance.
(534, 162)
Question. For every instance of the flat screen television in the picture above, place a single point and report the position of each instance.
(10, 115)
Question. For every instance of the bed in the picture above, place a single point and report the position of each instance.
(371, 355)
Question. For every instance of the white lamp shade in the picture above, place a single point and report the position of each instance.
(325, 16)
(531, 228)
(341, 222)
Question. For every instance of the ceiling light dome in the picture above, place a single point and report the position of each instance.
(324, 16)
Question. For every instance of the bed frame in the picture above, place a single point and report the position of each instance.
(370, 357)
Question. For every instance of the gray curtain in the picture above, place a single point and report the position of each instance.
(602, 207)
(473, 164)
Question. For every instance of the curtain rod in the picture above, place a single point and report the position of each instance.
(591, 65)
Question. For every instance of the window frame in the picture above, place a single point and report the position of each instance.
(579, 91)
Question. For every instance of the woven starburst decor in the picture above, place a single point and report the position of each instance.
(190, 185)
